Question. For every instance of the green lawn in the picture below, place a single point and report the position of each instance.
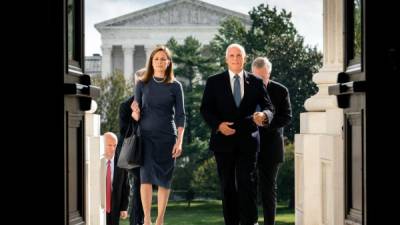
(209, 213)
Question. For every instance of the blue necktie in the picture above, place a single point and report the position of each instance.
(236, 90)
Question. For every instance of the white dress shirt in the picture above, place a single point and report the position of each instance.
(241, 80)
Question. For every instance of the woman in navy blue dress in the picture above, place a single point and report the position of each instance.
(159, 108)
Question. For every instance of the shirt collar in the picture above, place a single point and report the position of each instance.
(232, 74)
(112, 160)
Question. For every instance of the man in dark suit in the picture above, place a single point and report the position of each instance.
(136, 209)
(114, 183)
(229, 108)
(271, 138)
(125, 118)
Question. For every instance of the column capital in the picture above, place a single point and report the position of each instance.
(106, 49)
(148, 49)
(128, 49)
(148, 46)
(106, 60)
(106, 46)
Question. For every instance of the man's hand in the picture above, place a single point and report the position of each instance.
(135, 111)
(225, 129)
(124, 214)
(259, 118)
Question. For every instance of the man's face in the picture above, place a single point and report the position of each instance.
(235, 60)
(261, 72)
(110, 145)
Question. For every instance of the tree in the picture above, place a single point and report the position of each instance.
(272, 34)
(285, 181)
(192, 66)
(205, 179)
(114, 90)
(231, 31)
(293, 64)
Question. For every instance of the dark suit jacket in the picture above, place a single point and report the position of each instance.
(125, 118)
(120, 185)
(218, 106)
(120, 192)
(271, 138)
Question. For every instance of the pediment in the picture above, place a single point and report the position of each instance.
(176, 13)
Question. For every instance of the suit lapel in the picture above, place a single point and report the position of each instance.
(115, 171)
(246, 84)
(228, 88)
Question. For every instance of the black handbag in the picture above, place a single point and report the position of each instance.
(131, 155)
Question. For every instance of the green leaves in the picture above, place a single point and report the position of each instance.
(192, 66)
(272, 34)
(113, 90)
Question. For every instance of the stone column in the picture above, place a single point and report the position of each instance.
(92, 166)
(148, 49)
(319, 148)
(332, 60)
(106, 60)
(128, 62)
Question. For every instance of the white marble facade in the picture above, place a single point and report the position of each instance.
(319, 147)
(93, 151)
(129, 39)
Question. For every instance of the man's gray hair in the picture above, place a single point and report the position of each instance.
(140, 73)
(235, 45)
(261, 62)
(111, 135)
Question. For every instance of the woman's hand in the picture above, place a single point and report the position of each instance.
(135, 111)
(177, 150)
(124, 214)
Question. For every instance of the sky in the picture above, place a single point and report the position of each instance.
(306, 16)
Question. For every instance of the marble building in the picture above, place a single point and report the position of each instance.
(128, 40)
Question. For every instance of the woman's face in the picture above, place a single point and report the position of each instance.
(160, 62)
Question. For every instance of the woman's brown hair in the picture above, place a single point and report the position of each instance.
(169, 72)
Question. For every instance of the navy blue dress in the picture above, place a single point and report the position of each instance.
(162, 111)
